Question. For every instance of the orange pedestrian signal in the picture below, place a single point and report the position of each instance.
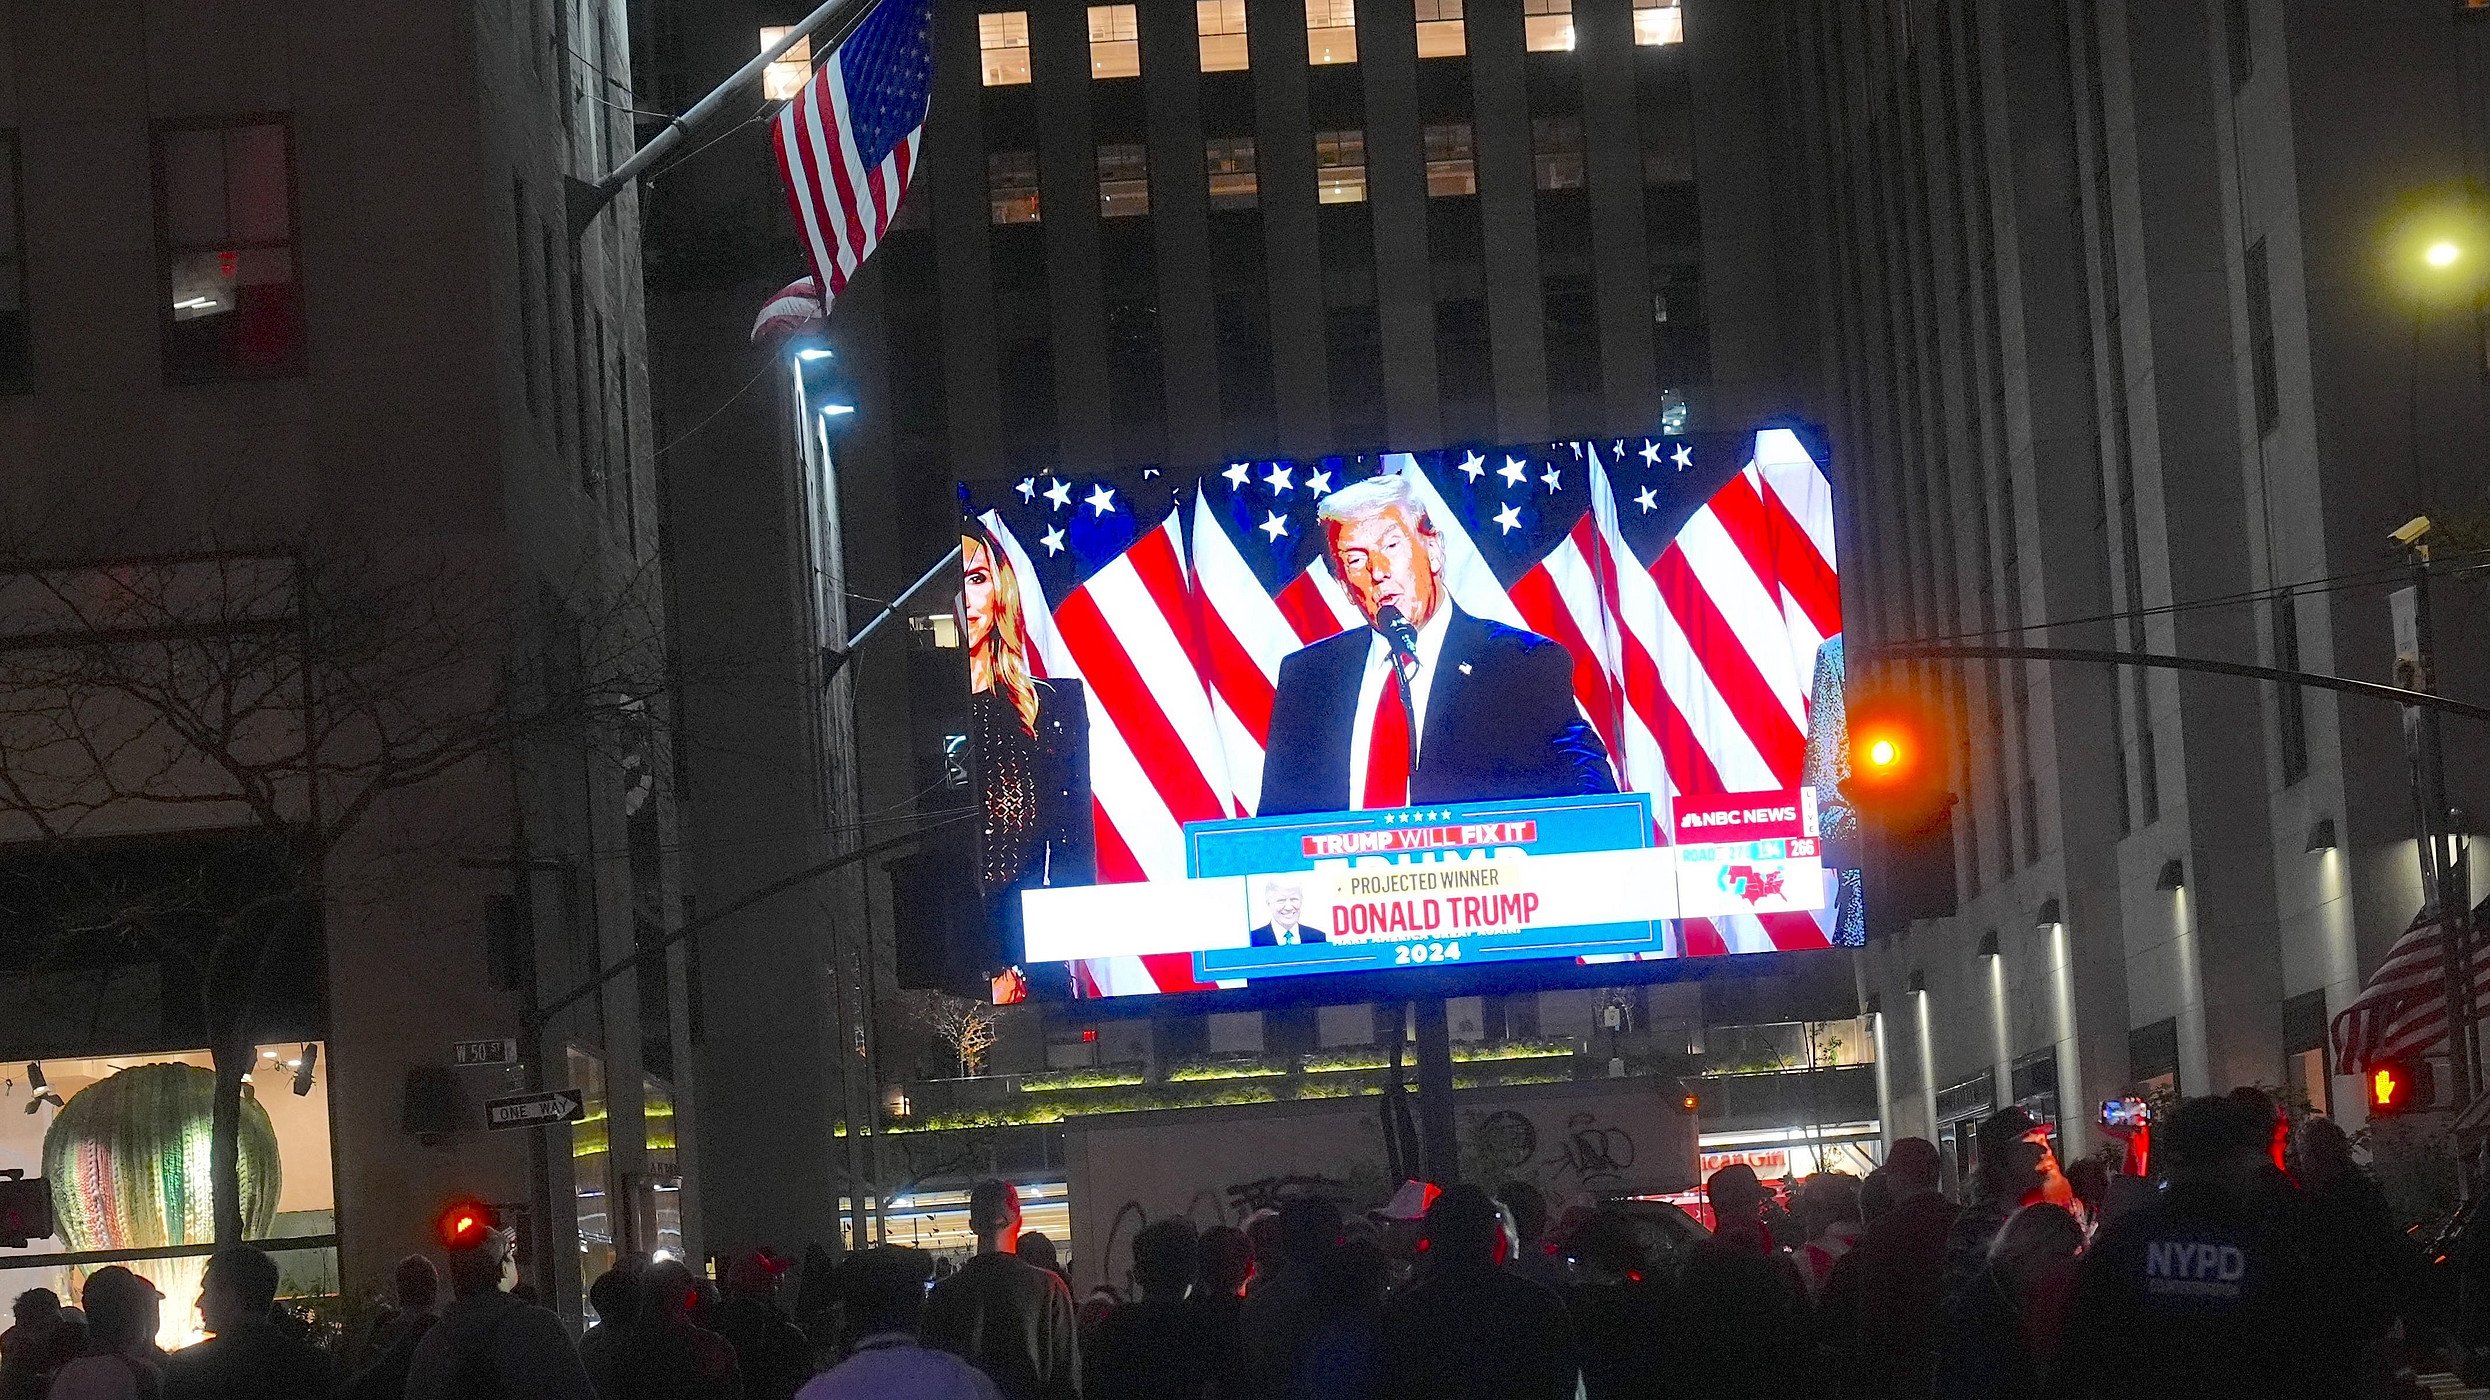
(2398, 1086)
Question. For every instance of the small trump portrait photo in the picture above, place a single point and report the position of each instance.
(1283, 914)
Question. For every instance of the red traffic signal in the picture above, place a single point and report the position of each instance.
(2397, 1086)
(464, 1225)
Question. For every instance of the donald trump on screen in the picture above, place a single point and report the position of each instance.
(1425, 703)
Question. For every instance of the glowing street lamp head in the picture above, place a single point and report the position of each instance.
(2442, 253)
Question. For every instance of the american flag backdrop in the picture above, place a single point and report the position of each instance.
(1692, 579)
(847, 142)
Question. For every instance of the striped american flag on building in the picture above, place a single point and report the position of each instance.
(847, 142)
(1692, 579)
(2402, 1009)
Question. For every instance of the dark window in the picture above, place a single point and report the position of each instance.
(232, 286)
(2261, 339)
(2290, 718)
(2153, 1057)
(590, 378)
(1012, 187)
(528, 309)
(2031, 820)
(1465, 365)
(16, 358)
(1556, 152)
(1353, 342)
(1452, 168)
(2308, 1080)
(1123, 180)
(562, 422)
(1570, 309)
(2240, 40)
(1229, 161)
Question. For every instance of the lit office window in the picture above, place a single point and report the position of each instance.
(1012, 186)
(1556, 152)
(1123, 180)
(1331, 31)
(225, 226)
(1114, 42)
(1548, 26)
(1233, 183)
(1221, 24)
(1451, 168)
(1340, 166)
(1441, 33)
(785, 76)
(1003, 46)
(1659, 22)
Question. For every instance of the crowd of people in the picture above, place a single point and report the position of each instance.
(2230, 1255)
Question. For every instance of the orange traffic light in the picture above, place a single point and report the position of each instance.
(1895, 779)
(2398, 1086)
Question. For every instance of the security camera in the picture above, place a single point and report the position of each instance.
(2411, 531)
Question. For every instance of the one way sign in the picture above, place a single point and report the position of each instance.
(528, 1110)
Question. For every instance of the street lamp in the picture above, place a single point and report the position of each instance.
(2433, 243)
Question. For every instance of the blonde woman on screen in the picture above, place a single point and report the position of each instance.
(1030, 737)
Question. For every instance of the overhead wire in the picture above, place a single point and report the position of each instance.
(2338, 583)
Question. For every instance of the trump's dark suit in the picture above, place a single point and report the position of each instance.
(1501, 722)
(1306, 933)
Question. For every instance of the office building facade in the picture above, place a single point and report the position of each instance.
(277, 288)
(2122, 355)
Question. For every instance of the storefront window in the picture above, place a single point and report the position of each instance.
(592, 1168)
(123, 1141)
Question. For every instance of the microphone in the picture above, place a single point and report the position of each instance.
(1402, 637)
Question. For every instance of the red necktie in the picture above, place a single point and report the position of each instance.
(1387, 751)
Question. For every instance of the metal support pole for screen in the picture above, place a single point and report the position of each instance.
(1439, 1152)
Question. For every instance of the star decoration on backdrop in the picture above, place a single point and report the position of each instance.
(1473, 466)
(1554, 481)
(1053, 540)
(1027, 489)
(1280, 479)
(1237, 473)
(1617, 450)
(1060, 492)
(1319, 482)
(1683, 457)
(1101, 499)
(1509, 518)
(1651, 454)
(1149, 473)
(1648, 499)
(1513, 471)
(1275, 525)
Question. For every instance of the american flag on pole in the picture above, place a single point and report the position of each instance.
(847, 143)
(1692, 579)
(2402, 1009)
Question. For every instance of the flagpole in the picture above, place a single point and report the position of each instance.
(585, 201)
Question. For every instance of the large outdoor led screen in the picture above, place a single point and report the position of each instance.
(1572, 702)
